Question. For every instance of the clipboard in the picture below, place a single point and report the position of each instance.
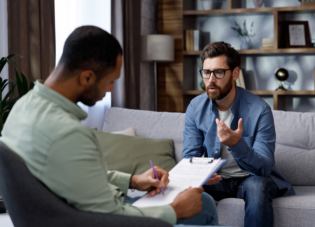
(187, 173)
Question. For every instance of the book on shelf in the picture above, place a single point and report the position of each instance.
(192, 40)
(267, 43)
(240, 81)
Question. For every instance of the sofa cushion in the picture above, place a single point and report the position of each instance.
(148, 124)
(297, 210)
(132, 154)
(295, 146)
(127, 132)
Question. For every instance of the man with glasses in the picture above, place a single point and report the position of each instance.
(231, 123)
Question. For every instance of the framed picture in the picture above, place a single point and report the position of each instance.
(297, 34)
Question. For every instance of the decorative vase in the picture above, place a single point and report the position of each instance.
(244, 44)
(207, 4)
(258, 3)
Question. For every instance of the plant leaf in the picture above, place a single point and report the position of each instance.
(11, 91)
(32, 84)
(24, 84)
(4, 83)
(9, 104)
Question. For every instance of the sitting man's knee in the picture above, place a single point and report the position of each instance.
(208, 200)
(256, 185)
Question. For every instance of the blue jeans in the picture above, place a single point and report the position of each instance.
(256, 191)
(207, 216)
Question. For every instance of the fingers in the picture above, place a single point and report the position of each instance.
(163, 175)
(200, 189)
(240, 124)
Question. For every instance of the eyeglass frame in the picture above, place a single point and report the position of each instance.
(200, 71)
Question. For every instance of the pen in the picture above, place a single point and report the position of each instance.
(156, 176)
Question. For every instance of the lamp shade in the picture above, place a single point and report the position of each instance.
(157, 48)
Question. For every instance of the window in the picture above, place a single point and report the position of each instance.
(70, 14)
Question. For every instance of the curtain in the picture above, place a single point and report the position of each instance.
(31, 28)
(131, 19)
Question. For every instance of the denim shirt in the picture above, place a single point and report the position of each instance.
(255, 151)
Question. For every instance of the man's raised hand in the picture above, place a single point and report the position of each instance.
(227, 136)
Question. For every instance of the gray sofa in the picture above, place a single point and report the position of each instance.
(294, 155)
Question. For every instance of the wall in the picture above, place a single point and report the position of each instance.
(4, 39)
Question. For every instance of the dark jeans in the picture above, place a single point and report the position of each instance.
(256, 191)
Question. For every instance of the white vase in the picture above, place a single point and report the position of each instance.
(258, 3)
(244, 45)
(207, 4)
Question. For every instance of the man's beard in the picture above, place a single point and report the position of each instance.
(91, 96)
(221, 92)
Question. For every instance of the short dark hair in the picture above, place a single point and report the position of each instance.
(217, 49)
(90, 48)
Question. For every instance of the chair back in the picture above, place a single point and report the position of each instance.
(31, 203)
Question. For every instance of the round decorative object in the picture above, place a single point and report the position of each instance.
(282, 75)
(258, 3)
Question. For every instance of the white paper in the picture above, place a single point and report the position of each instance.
(182, 176)
(135, 193)
(297, 35)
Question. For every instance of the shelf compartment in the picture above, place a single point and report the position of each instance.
(265, 51)
(278, 96)
(248, 10)
(259, 92)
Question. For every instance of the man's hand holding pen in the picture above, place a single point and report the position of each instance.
(148, 182)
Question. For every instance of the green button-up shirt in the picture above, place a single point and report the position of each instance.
(44, 129)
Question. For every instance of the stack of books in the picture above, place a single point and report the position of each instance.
(240, 81)
(192, 40)
(267, 43)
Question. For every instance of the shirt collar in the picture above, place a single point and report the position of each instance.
(235, 105)
(62, 101)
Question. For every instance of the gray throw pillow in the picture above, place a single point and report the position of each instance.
(132, 154)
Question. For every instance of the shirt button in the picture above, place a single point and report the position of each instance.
(216, 152)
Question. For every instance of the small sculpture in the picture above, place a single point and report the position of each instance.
(282, 75)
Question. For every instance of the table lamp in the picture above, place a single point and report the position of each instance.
(157, 48)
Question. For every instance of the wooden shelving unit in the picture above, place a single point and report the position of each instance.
(278, 96)
(250, 10)
(265, 51)
(174, 16)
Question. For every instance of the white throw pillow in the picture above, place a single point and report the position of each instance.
(128, 132)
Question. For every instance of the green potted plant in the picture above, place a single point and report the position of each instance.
(246, 43)
(7, 102)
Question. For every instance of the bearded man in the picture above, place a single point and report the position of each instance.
(231, 123)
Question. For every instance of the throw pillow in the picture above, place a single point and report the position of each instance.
(128, 132)
(132, 154)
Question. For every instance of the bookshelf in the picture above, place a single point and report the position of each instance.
(173, 20)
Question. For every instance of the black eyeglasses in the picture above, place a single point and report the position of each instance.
(218, 73)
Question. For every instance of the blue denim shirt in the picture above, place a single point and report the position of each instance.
(254, 153)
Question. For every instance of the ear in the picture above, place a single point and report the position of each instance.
(87, 78)
(236, 73)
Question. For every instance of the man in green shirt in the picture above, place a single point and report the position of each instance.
(44, 129)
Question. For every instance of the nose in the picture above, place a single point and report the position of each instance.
(212, 78)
